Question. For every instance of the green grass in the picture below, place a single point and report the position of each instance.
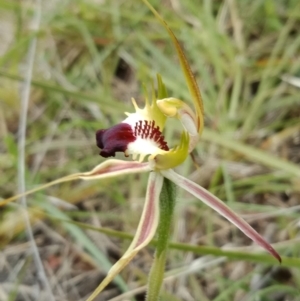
(91, 58)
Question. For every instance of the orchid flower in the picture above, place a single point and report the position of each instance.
(140, 136)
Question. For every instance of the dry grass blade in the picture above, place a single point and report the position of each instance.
(25, 94)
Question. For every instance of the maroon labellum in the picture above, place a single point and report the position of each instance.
(114, 139)
(118, 137)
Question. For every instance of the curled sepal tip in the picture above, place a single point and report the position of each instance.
(144, 234)
(173, 157)
(216, 204)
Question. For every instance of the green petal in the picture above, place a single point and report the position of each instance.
(173, 157)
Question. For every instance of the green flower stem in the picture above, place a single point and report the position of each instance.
(167, 204)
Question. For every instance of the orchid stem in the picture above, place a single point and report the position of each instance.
(167, 204)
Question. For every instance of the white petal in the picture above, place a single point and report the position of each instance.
(219, 206)
(143, 147)
(144, 234)
(107, 169)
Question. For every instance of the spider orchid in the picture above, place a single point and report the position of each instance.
(140, 135)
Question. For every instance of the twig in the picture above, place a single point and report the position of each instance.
(24, 99)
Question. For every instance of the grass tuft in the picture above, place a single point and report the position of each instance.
(91, 58)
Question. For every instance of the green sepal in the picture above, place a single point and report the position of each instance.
(174, 156)
(188, 74)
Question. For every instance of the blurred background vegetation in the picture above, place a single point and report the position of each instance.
(91, 57)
